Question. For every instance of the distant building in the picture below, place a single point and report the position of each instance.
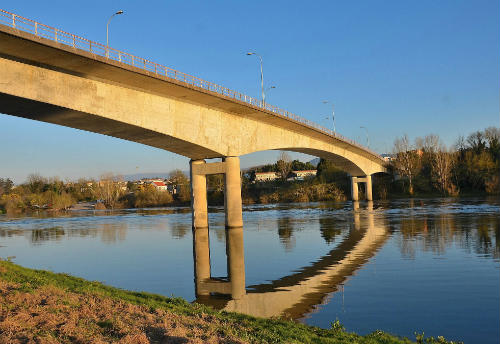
(265, 176)
(159, 185)
(387, 157)
(301, 175)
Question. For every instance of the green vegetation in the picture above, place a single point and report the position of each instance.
(137, 317)
(428, 167)
(288, 192)
(423, 168)
(110, 192)
(330, 183)
(36, 193)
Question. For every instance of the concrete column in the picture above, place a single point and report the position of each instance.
(201, 256)
(235, 261)
(199, 197)
(232, 194)
(368, 188)
(354, 188)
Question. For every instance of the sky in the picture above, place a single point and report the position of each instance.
(394, 67)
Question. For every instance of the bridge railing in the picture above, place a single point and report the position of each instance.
(41, 30)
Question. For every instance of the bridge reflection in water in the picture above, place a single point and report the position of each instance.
(293, 296)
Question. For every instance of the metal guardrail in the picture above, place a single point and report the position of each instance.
(44, 31)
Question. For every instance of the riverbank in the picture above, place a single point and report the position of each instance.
(42, 306)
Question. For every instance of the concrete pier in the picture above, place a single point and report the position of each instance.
(230, 167)
(354, 189)
(368, 187)
(369, 196)
(232, 192)
(199, 206)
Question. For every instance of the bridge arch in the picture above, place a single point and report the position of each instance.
(57, 83)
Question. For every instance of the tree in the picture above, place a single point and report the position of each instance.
(215, 182)
(109, 189)
(476, 142)
(429, 144)
(36, 183)
(301, 166)
(5, 186)
(407, 161)
(283, 165)
(178, 177)
(492, 135)
(442, 164)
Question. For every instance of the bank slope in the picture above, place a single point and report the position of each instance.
(42, 306)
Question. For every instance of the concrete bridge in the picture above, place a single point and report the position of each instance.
(53, 76)
(293, 296)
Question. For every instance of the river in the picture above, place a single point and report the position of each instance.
(400, 266)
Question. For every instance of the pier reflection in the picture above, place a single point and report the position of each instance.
(296, 295)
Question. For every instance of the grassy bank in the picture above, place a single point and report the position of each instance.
(41, 306)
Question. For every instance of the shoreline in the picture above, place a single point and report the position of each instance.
(42, 305)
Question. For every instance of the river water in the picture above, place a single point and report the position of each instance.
(400, 266)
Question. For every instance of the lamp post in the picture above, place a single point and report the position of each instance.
(333, 114)
(261, 77)
(367, 138)
(107, 31)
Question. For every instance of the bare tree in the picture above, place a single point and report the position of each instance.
(442, 164)
(460, 144)
(284, 165)
(431, 144)
(477, 141)
(109, 189)
(492, 135)
(407, 161)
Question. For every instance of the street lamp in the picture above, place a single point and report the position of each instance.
(270, 88)
(107, 31)
(333, 114)
(261, 77)
(367, 138)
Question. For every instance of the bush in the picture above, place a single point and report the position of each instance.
(12, 203)
(150, 197)
(492, 185)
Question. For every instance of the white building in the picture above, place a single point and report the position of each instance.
(265, 176)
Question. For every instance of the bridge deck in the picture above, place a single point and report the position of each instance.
(56, 48)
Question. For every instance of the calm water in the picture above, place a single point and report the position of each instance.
(401, 266)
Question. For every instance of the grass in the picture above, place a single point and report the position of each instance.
(63, 308)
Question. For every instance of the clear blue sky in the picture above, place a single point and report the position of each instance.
(394, 67)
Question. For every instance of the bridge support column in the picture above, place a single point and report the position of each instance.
(230, 167)
(232, 194)
(354, 188)
(198, 194)
(368, 187)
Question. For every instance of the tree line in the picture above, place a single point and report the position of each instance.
(427, 165)
(109, 192)
(424, 166)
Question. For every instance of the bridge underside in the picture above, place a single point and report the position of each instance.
(44, 112)
(51, 82)
(56, 83)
